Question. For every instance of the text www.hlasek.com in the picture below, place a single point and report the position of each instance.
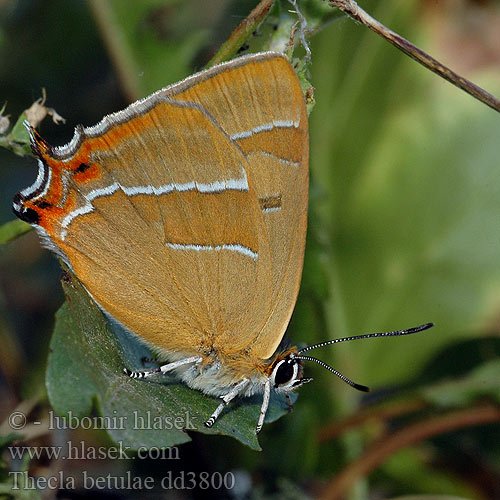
(78, 451)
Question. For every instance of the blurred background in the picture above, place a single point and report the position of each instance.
(404, 228)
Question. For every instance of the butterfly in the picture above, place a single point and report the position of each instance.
(184, 217)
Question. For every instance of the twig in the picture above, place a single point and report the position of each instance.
(379, 414)
(241, 33)
(351, 8)
(302, 30)
(412, 434)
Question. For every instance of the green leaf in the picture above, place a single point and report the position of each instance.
(19, 132)
(85, 370)
(17, 140)
(12, 229)
(408, 471)
(6, 439)
(411, 203)
(481, 382)
(147, 40)
(13, 483)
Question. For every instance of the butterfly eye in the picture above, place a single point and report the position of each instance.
(285, 373)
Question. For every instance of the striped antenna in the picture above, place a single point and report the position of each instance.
(359, 387)
(396, 333)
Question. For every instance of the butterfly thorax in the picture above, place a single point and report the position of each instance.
(218, 373)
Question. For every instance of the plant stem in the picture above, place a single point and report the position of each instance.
(351, 8)
(241, 33)
(388, 445)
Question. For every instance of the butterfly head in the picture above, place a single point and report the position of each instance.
(287, 372)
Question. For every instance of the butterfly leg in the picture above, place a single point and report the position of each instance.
(240, 386)
(265, 405)
(163, 368)
(289, 402)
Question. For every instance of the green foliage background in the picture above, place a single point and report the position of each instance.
(403, 229)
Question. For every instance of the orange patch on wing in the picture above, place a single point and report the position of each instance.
(90, 173)
(50, 215)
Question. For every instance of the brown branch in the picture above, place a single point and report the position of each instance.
(379, 451)
(379, 413)
(351, 8)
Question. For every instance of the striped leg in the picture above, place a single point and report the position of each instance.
(265, 405)
(240, 386)
(163, 368)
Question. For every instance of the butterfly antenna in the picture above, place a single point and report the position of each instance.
(396, 333)
(359, 387)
